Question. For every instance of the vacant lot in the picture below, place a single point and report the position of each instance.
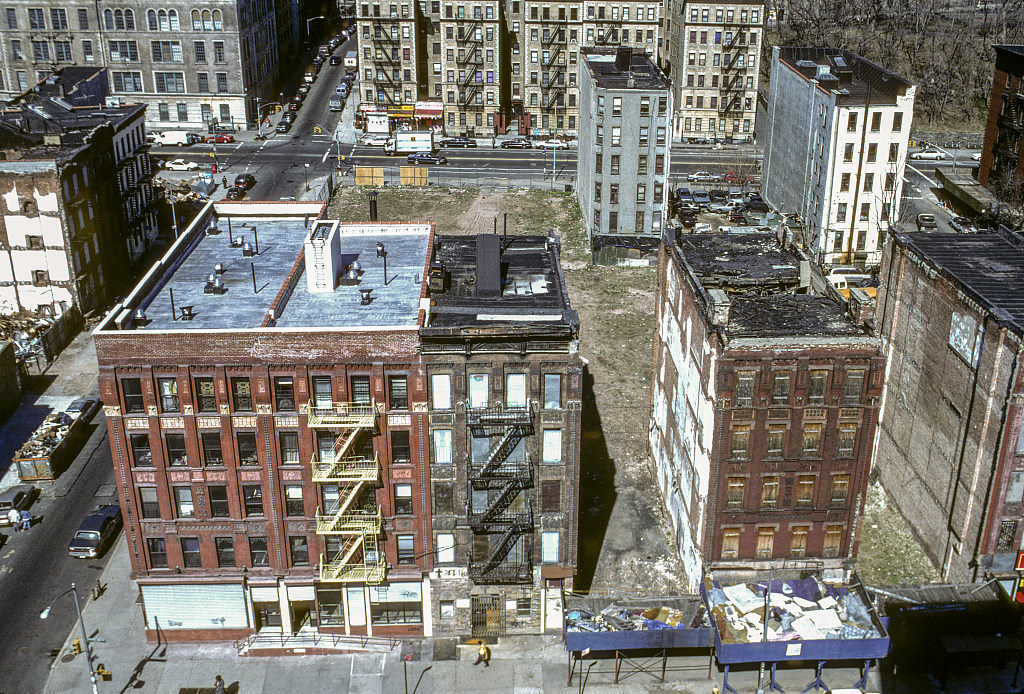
(624, 544)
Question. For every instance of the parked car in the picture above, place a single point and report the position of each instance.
(458, 142)
(374, 140)
(294, 105)
(303, 89)
(300, 95)
(310, 76)
(336, 60)
(926, 222)
(552, 144)
(733, 177)
(688, 218)
(964, 225)
(284, 126)
(96, 532)
(684, 195)
(181, 165)
(703, 177)
(718, 195)
(724, 206)
(736, 216)
(20, 496)
(932, 154)
(517, 143)
(758, 205)
(976, 156)
(234, 193)
(288, 117)
(426, 158)
(701, 198)
(83, 408)
(245, 181)
(219, 138)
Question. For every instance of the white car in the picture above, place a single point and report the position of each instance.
(725, 207)
(976, 156)
(181, 165)
(374, 140)
(703, 177)
(551, 144)
(932, 154)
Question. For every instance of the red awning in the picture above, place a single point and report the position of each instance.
(429, 109)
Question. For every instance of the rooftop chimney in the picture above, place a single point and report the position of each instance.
(488, 265)
(623, 58)
(719, 307)
(861, 306)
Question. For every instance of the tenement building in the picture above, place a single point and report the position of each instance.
(188, 63)
(950, 445)
(836, 149)
(624, 152)
(79, 207)
(1002, 157)
(341, 428)
(765, 405)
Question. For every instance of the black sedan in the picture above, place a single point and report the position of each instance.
(245, 181)
(235, 193)
(284, 126)
(96, 533)
(426, 158)
(458, 142)
(517, 143)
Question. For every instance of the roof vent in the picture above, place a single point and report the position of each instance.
(238, 242)
(214, 285)
(186, 312)
(219, 268)
(247, 249)
(140, 317)
(213, 229)
(364, 296)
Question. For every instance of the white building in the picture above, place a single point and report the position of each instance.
(836, 148)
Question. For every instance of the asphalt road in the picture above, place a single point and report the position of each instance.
(35, 568)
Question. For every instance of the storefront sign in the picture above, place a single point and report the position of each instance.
(429, 109)
(456, 572)
(401, 111)
(396, 592)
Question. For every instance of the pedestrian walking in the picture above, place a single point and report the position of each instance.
(218, 685)
(26, 520)
(483, 655)
(14, 517)
(224, 180)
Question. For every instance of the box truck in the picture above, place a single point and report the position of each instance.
(409, 141)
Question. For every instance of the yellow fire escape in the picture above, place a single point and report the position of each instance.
(359, 558)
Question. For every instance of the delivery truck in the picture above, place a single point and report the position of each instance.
(409, 141)
(178, 138)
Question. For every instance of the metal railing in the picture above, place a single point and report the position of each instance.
(343, 414)
(350, 469)
(314, 639)
(348, 523)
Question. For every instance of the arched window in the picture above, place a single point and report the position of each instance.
(108, 20)
(217, 23)
(129, 20)
(163, 20)
(151, 20)
(173, 17)
(197, 25)
(207, 21)
(119, 20)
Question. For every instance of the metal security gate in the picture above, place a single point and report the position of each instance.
(488, 616)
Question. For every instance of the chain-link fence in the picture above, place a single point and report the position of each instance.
(540, 177)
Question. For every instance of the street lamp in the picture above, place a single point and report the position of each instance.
(85, 637)
(312, 19)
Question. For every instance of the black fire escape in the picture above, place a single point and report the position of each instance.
(387, 68)
(1010, 126)
(470, 59)
(498, 509)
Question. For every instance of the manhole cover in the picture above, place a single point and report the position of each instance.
(68, 658)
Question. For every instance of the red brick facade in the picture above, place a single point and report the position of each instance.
(1001, 153)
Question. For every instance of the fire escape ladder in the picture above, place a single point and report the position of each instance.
(500, 453)
(498, 504)
(505, 545)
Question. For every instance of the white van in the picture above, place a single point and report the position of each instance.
(179, 138)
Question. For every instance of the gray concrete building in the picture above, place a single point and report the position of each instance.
(188, 63)
(623, 159)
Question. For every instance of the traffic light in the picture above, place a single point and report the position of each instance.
(76, 646)
(103, 673)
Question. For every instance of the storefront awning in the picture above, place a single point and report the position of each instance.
(429, 109)
(401, 111)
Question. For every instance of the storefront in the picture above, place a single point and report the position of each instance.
(430, 115)
(393, 609)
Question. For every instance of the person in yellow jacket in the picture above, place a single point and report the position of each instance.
(483, 655)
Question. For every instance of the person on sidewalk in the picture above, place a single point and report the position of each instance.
(483, 655)
(14, 517)
(26, 519)
(218, 685)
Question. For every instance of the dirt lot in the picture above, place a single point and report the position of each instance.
(625, 541)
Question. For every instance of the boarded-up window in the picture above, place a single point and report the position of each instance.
(740, 441)
(798, 541)
(833, 540)
(780, 388)
(854, 386)
(804, 490)
(1016, 489)
(816, 389)
(812, 440)
(776, 439)
(847, 440)
(551, 496)
(745, 389)
(734, 494)
(840, 488)
(730, 543)
(765, 542)
(770, 491)
(443, 498)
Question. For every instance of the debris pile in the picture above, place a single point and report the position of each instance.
(47, 437)
(803, 609)
(26, 331)
(616, 618)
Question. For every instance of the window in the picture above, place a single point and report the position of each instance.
(776, 440)
(241, 394)
(361, 390)
(798, 540)
(131, 388)
(833, 540)
(615, 165)
(258, 551)
(200, 51)
(811, 440)
(876, 122)
(157, 548)
(445, 548)
(168, 394)
(804, 490)
(515, 390)
(62, 51)
(848, 152)
(212, 453)
(642, 137)
(218, 51)
(641, 193)
(613, 193)
(639, 220)
(406, 549)
(36, 19)
(744, 389)
(865, 211)
(168, 82)
(148, 503)
(851, 123)
(552, 446)
(840, 488)
(40, 50)
(659, 164)
(284, 394)
(1016, 489)
(289, 444)
(730, 543)
(124, 51)
(298, 550)
(840, 213)
(854, 387)
(253, 497)
(218, 501)
(890, 185)
(141, 453)
(780, 388)
(222, 87)
(441, 391)
(398, 392)
(183, 505)
(740, 441)
(322, 396)
(869, 182)
(16, 53)
(735, 491)
(844, 183)
(617, 135)
(597, 191)
(183, 111)
(551, 496)
(293, 505)
(770, 491)
(765, 542)
(816, 389)
(478, 391)
(166, 51)
(524, 607)
(400, 449)
(442, 446)
(12, 18)
(247, 448)
(872, 151)
(175, 449)
(549, 546)
(203, 83)
(552, 391)
(225, 551)
(897, 121)
(846, 441)
(403, 499)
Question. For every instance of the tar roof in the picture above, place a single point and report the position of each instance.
(735, 261)
(788, 315)
(641, 74)
(529, 286)
(989, 267)
(26, 128)
(271, 282)
(852, 78)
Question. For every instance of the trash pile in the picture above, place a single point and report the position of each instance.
(616, 618)
(26, 332)
(804, 609)
(47, 437)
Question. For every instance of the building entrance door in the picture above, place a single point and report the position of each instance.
(302, 611)
(268, 614)
(487, 613)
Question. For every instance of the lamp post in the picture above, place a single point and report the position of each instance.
(308, 21)
(85, 637)
(259, 115)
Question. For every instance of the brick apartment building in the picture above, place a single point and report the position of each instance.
(1002, 157)
(950, 449)
(765, 405)
(286, 459)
